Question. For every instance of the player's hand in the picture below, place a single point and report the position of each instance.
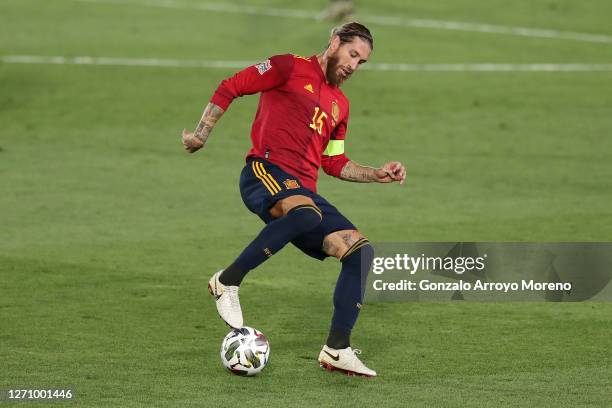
(390, 172)
(191, 142)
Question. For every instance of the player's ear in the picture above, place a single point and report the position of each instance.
(334, 43)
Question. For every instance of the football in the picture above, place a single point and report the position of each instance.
(245, 351)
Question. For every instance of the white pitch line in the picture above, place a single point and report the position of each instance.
(381, 20)
(489, 67)
(488, 28)
(124, 62)
(389, 67)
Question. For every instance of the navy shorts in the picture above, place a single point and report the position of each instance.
(262, 184)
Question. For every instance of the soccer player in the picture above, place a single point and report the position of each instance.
(300, 125)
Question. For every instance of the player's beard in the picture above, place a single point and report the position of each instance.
(332, 71)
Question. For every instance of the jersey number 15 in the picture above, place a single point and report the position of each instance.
(317, 120)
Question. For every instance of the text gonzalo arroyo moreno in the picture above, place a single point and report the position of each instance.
(458, 265)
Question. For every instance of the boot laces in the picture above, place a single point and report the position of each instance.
(232, 292)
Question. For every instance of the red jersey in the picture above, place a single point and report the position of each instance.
(301, 120)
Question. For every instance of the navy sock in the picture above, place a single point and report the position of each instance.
(272, 238)
(338, 340)
(349, 292)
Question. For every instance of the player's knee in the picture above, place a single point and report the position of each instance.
(305, 217)
(340, 243)
(360, 254)
(356, 265)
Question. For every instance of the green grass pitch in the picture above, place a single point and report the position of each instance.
(109, 231)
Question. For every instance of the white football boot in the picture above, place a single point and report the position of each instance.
(228, 304)
(344, 360)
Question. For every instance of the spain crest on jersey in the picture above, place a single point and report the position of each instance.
(335, 112)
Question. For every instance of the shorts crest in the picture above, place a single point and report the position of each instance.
(291, 184)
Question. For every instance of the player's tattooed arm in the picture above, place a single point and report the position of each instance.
(388, 173)
(196, 140)
(209, 119)
(357, 173)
